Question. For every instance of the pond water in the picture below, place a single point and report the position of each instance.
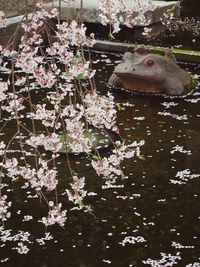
(154, 214)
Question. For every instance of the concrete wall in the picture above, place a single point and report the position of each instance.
(17, 7)
(91, 10)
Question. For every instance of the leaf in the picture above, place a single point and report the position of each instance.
(142, 157)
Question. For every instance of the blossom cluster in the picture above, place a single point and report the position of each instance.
(75, 128)
(74, 34)
(39, 18)
(109, 167)
(77, 194)
(69, 107)
(3, 90)
(47, 117)
(4, 206)
(43, 177)
(3, 20)
(55, 215)
(51, 142)
(2, 148)
(115, 13)
(13, 105)
(100, 110)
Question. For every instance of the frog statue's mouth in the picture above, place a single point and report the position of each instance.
(135, 76)
(137, 81)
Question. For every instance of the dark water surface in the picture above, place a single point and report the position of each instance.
(150, 213)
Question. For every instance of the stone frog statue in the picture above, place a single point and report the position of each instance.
(150, 73)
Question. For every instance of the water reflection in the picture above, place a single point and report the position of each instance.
(139, 218)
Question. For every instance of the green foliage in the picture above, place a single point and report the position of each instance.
(192, 85)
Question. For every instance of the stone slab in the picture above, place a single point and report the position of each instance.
(90, 12)
(117, 47)
(13, 8)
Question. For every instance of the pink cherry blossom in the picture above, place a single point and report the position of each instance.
(4, 206)
(3, 21)
(3, 90)
(71, 105)
(100, 110)
(55, 215)
(77, 194)
(2, 148)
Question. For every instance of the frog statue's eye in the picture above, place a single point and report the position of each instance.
(149, 62)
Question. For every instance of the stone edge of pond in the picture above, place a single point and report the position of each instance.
(121, 47)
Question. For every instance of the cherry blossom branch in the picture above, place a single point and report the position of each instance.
(71, 108)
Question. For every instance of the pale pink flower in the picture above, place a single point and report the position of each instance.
(48, 117)
(74, 34)
(3, 21)
(14, 105)
(109, 167)
(4, 206)
(77, 194)
(100, 110)
(3, 90)
(44, 78)
(50, 142)
(20, 81)
(115, 12)
(2, 148)
(55, 215)
(47, 178)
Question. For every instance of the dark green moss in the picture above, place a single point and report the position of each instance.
(192, 85)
